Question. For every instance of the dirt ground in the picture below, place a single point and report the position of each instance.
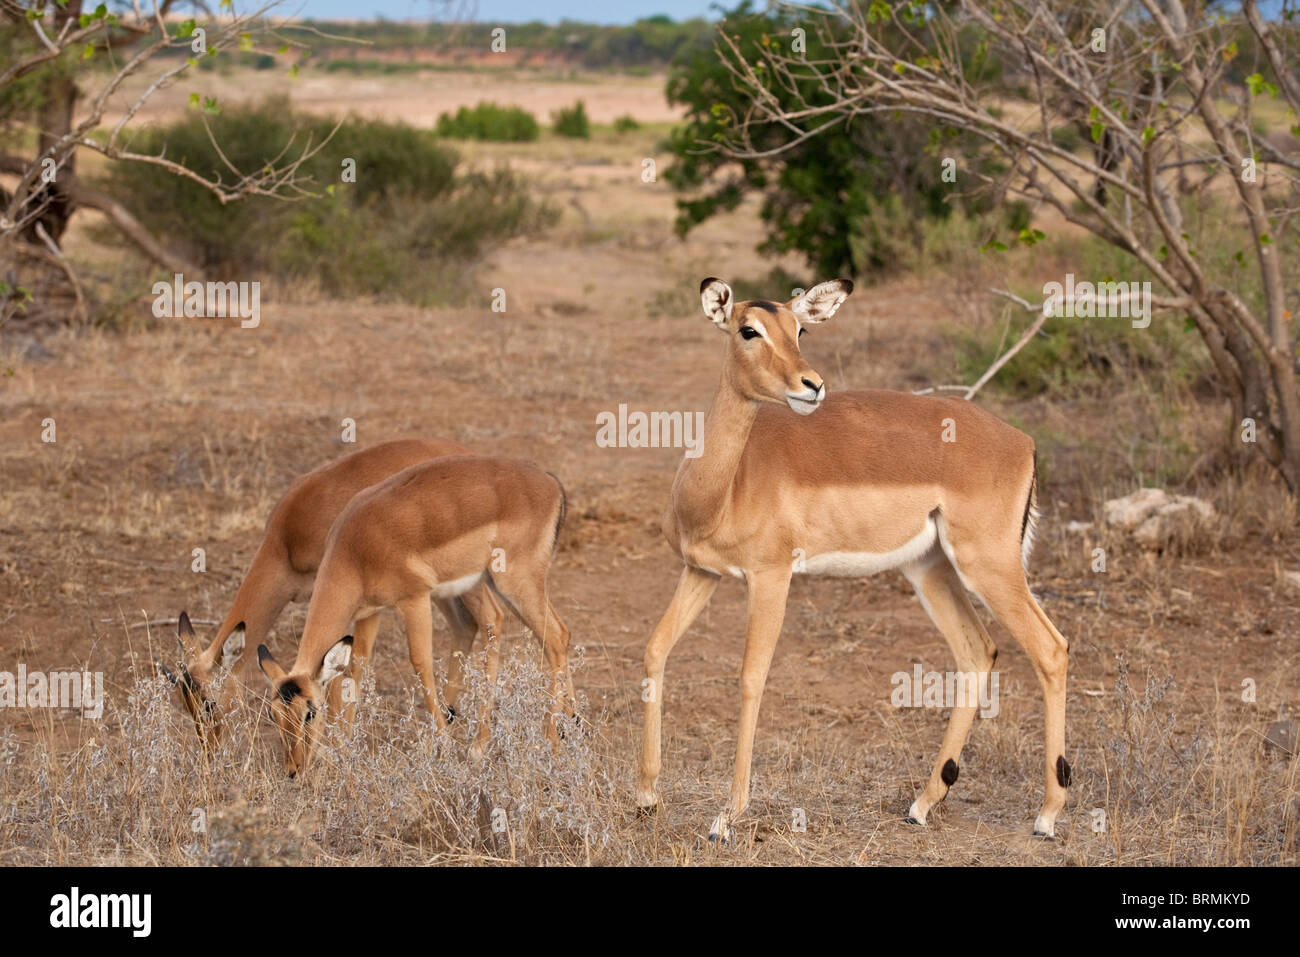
(183, 435)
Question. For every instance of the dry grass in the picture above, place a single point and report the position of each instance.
(182, 434)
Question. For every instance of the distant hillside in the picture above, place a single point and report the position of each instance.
(646, 45)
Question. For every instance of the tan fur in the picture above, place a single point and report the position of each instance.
(858, 477)
(284, 570)
(441, 528)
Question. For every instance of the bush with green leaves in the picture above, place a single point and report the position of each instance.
(388, 214)
(1086, 356)
(572, 121)
(853, 200)
(626, 124)
(488, 121)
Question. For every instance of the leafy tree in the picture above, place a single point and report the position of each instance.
(850, 199)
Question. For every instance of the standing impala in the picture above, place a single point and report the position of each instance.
(792, 481)
(436, 529)
(284, 570)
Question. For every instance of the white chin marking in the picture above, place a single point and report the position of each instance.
(803, 408)
(916, 814)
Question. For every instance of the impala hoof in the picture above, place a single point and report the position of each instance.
(450, 713)
(1045, 836)
(646, 811)
(721, 832)
(915, 815)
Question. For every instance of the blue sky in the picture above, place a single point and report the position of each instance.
(508, 11)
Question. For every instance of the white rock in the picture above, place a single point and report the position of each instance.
(1132, 510)
(1154, 516)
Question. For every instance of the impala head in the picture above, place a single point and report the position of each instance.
(298, 702)
(763, 358)
(201, 673)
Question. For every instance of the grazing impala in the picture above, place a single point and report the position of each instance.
(437, 529)
(857, 483)
(284, 569)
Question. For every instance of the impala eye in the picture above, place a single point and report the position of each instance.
(748, 332)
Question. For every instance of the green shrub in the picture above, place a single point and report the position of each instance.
(405, 228)
(851, 200)
(626, 124)
(487, 121)
(1074, 356)
(572, 121)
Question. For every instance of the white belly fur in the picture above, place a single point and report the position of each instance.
(455, 587)
(442, 589)
(861, 564)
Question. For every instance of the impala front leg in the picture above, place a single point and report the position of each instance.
(364, 633)
(417, 614)
(768, 590)
(694, 589)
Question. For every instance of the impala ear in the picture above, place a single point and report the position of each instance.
(336, 661)
(820, 302)
(718, 299)
(185, 636)
(232, 647)
(270, 667)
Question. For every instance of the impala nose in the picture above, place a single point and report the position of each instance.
(815, 386)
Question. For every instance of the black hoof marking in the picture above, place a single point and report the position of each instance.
(1045, 837)
(949, 772)
(451, 714)
(644, 812)
(713, 839)
(911, 820)
(1062, 772)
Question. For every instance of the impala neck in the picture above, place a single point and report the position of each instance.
(703, 487)
(333, 604)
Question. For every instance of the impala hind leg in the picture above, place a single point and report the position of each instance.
(694, 589)
(1007, 594)
(768, 591)
(944, 599)
(526, 594)
(418, 616)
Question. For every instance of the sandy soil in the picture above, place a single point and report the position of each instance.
(183, 435)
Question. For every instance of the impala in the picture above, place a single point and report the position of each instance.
(793, 481)
(284, 570)
(440, 529)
